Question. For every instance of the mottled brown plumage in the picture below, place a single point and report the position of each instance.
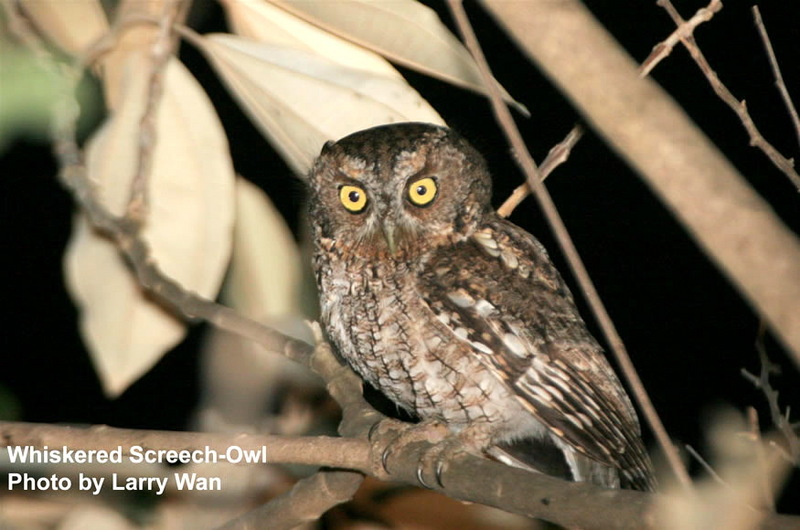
(458, 315)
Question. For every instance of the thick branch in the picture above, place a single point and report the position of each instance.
(734, 225)
(313, 451)
(305, 503)
(566, 503)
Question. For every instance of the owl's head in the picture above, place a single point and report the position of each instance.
(398, 188)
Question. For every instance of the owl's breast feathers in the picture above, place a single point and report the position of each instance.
(374, 314)
(483, 330)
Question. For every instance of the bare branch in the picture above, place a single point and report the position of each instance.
(785, 165)
(306, 502)
(557, 156)
(570, 504)
(767, 498)
(534, 179)
(346, 453)
(737, 229)
(705, 465)
(776, 70)
(162, 50)
(684, 30)
(779, 419)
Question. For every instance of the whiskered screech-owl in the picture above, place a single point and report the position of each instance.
(457, 315)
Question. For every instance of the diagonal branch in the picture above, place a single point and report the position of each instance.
(737, 229)
(776, 70)
(684, 31)
(557, 156)
(739, 107)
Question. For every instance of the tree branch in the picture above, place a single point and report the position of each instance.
(684, 30)
(557, 156)
(735, 226)
(776, 70)
(740, 108)
(305, 503)
(338, 452)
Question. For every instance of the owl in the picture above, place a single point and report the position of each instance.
(457, 315)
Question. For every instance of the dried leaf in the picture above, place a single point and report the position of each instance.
(404, 31)
(264, 22)
(189, 225)
(300, 100)
(265, 271)
(73, 26)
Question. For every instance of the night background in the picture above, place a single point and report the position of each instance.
(686, 328)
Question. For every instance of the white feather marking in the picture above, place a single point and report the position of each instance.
(484, 308)
(542, 393)
(484, 237)
(487, 243)
(514, 344)
(575, 421)
(586, 420)
(460, 298)
(481, 346)
(509, 259)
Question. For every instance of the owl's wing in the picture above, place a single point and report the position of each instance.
(499, 292)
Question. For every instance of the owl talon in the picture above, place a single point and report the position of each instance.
(439, 470)
(385, 459)
(373, 430)
(421, 479)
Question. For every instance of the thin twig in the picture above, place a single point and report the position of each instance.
(565, 242)
(763, 468)
(779, 419)
(557, 156)
(684, 30)
(705, 465)
(776, 70)
(786, 166)
(161, 52)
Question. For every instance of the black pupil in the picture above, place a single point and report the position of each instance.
(421, 189)
(353, 196)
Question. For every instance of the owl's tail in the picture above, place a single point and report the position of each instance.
(544, 456)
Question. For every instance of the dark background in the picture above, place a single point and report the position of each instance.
(687, 329)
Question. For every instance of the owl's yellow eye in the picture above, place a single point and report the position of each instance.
(422, 192)
(353, 198)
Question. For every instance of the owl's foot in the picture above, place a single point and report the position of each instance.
(472, 440)
(436, 458)
(400, 434)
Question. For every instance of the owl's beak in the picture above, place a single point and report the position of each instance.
(388, 234)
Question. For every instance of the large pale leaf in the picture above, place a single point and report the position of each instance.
(264, 22)
(266, 270)
(404, 31)
(242, 382)
(300, 99)
(71, 25)
(189, 225)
